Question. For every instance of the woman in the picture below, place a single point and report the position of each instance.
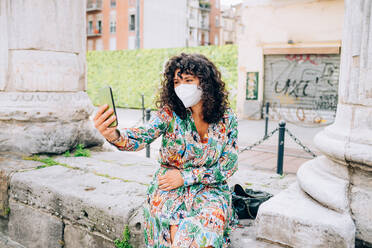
(188, 202)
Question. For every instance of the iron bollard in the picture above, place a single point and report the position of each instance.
(148, 115)
(279, 168)
(143, 108)
(266, 118)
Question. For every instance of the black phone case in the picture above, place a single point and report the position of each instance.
(113, 105)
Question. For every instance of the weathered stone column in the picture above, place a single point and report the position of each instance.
(331, 203)
(43, 104)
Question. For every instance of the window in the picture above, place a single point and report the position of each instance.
(113, 3)
(217, 21)
(90, 27)
(99, 26)
(113, 21)
(132, 22)
(113, 26)
(216, 40)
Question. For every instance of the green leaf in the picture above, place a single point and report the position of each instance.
(80, 151)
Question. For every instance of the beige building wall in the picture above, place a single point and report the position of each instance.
(314, 27)
(230, 24)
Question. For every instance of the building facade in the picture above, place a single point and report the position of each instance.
(230, 24)
(131, 24)
(289, 56)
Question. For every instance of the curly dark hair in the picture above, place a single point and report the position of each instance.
(214, 97)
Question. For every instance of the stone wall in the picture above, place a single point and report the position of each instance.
(44, 106)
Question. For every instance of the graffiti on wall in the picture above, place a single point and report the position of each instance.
(302, 87)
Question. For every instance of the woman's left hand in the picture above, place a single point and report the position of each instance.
(172, 179)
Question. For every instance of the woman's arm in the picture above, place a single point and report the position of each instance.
(135, 139)
(224, 167)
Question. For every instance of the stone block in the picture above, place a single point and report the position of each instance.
(6, 242)
(33, 228)
(332, 140)
(101, 201)
(9, 164)
(45, 107)
(48, 137)
(358, 149)
(293, 218)
(4, 226)
(116, 164)
(32, 70)
(3, 45)
(327, 175)
(361, 202)
(3, 193)
(49, 25)
(246, 237)
(39, 122)
(136, 227)
(82, 84)
(75, 237)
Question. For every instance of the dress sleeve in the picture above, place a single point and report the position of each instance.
(224, 168)
(135, 139)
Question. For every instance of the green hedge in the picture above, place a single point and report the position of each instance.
(133, 72)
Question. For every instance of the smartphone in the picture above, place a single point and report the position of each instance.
(106, 97)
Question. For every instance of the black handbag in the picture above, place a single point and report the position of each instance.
(246, 202)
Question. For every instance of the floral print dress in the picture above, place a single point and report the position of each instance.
(201, 208)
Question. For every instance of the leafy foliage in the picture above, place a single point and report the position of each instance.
(80, 151)
(125, 240)
(133, 72)
(67, 154)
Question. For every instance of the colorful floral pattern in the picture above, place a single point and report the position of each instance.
(202, 206)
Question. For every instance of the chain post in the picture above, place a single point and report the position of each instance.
(298, 142)
(279, 168)
(250, 147)
(148, 114)
(266, 118)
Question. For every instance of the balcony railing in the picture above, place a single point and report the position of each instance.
(94, 5)
(203, 5)
(94, 33)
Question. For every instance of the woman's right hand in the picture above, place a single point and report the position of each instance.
(102, 124)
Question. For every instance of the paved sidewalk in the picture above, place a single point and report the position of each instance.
(263, 156)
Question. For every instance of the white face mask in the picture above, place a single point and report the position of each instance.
(189, 94)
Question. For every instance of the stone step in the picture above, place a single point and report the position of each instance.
(293, 218)
(6, 242)
(327, 175)
(87, 201)
(99, 195)
(245, 237)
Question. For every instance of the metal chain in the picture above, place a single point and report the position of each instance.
(306, 149)
(250, 147)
